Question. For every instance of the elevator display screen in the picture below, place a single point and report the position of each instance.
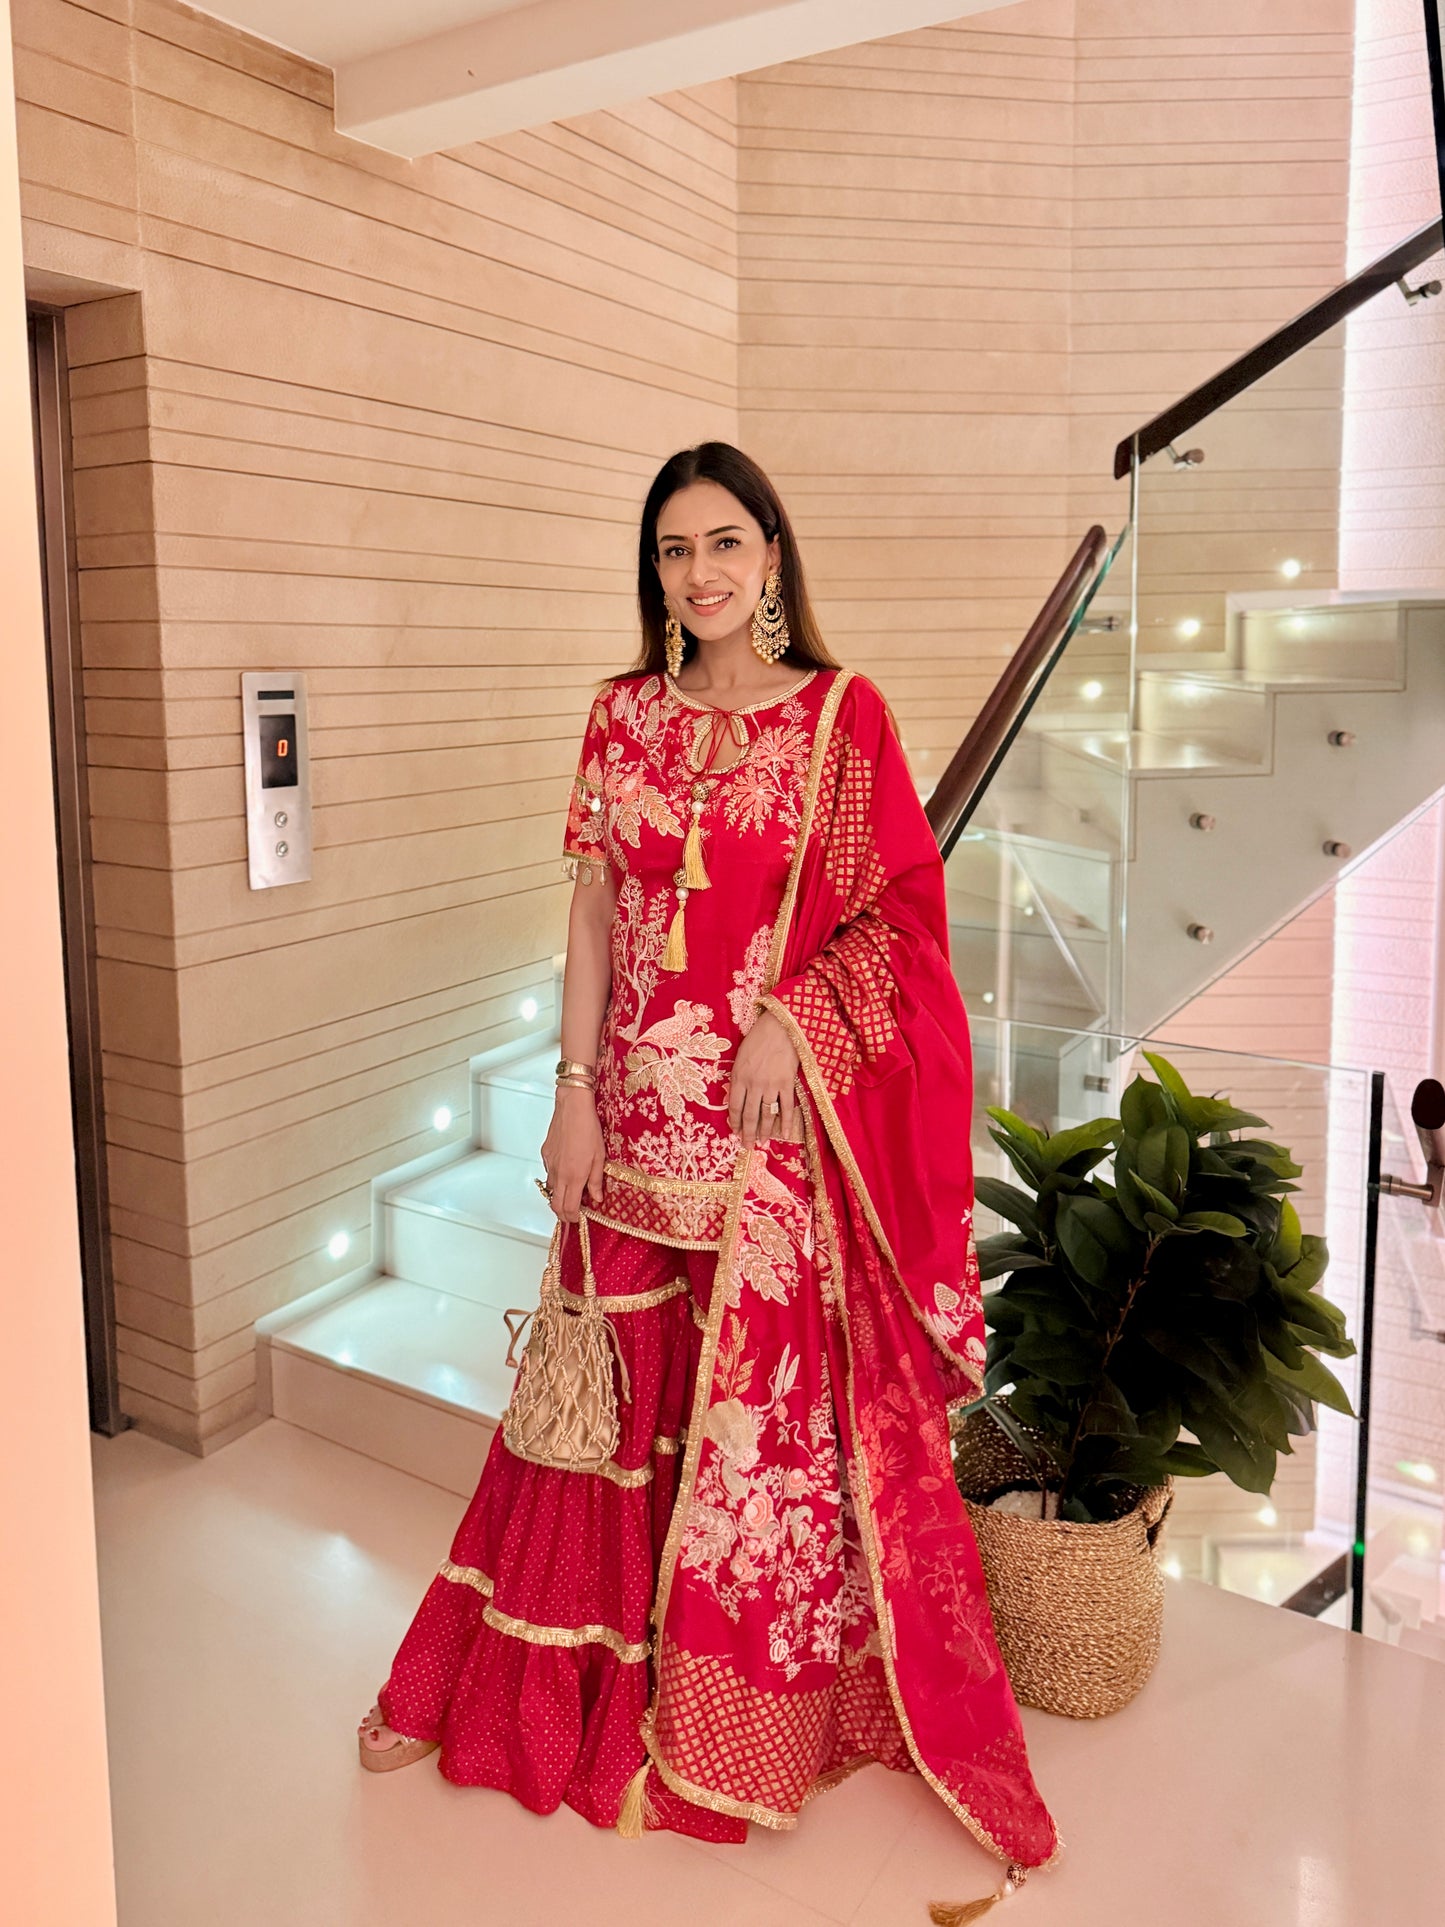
(278, 752)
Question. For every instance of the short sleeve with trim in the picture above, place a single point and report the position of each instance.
(584, 851)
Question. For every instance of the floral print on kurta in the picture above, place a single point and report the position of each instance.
(669, 1037)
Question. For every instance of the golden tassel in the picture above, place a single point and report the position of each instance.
(636, 1809)
(697, 876)
(957, 1913)
(674, 956)
(945, 1913)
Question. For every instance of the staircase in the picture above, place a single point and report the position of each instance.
(404, 1361)
(1181, 842)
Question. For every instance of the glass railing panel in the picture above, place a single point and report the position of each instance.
(1404, 1594)
(1249, 510)
(1033, 878)
(1294, 1542)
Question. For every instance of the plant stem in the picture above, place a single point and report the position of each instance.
(1114, 1336)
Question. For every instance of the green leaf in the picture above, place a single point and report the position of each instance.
(1163, 1159)
(1060, 1360)
(1188, 1460)
(1011, 1203)
(1316, 1381)
(1154, 1200)
(1093, 1235)
(1249, 1462)
(1025, 1161)
(1096, 1136)
(1287, 1246)
(1209, 1116)
(1015, 1127)
(1143, 1108)
(1006, 1251)
(1167, 1075)
(1220, 1221)
(1312, 1264)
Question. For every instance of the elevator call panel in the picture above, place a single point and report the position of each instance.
(278, 777)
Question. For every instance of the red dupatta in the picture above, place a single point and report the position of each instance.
(858, 973)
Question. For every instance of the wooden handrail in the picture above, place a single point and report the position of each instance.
(973, 763)
(1269, 354)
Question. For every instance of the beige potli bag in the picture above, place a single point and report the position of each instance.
(563, 1409)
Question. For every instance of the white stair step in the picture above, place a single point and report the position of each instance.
(405, 1374)
(478, 1228)
(1152, 754)
(1205, 709)
(1336, 638)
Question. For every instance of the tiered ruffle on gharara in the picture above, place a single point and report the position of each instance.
(528, 1656)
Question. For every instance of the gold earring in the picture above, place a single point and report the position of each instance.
(770, 622)
(672, 642)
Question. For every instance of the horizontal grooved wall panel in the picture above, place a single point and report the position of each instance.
(905, 215)
(387, 422)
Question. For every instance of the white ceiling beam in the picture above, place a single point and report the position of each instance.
(554, 59)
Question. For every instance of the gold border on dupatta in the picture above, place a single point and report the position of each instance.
(863, 1510)
(833, 1125)
(712, 1329)
(838, 1138)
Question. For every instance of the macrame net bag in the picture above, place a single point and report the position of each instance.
(563, 1409)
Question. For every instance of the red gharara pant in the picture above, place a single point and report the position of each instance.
(528, 1658)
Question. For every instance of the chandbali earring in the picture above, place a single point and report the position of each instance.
(672, 642)
(770, 622)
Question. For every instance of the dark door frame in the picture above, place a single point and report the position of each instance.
(50, 395)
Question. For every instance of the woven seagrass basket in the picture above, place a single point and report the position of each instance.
(1078, 1609)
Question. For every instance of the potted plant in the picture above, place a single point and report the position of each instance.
(1176, 1297)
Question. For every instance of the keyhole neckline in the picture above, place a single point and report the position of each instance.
(743, 709)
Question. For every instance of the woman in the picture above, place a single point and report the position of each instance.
(761, 1144)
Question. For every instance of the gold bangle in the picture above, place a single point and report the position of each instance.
(566, 1065)
(578, 1083)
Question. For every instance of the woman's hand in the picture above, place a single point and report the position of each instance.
(765, 1068)
(572, 1152)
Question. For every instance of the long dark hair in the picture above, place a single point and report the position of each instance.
(740, 475)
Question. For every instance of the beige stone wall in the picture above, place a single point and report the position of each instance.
(904, 293)
(386, 422)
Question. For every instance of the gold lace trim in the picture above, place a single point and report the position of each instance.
(652, 1237)
(668, 1446)
(839, 1139)
(747, 709)
(631, 1651)
(622, 1475)
(627, 1300)
(750, 1809)
(857, 1471)
(667, 1187)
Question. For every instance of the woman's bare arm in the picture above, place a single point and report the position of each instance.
(572, 1149)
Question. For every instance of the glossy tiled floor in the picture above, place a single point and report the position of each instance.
(1274, 1773)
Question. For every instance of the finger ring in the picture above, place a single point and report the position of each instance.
(544, 1186)
(776, 1105)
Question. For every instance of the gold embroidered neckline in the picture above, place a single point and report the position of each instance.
(744, 709)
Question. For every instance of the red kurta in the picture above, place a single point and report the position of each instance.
(670, 1036)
